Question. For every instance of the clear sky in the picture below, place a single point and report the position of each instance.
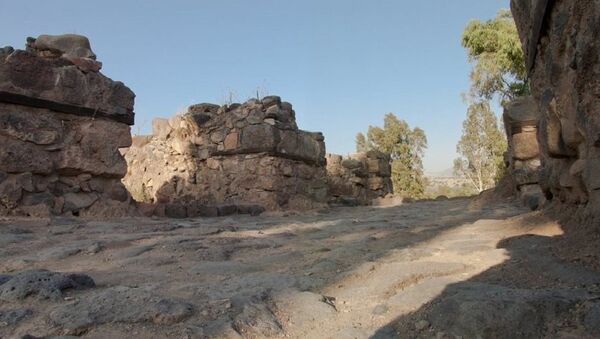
(343, 64)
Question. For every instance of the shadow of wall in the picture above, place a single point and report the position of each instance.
(536, 292)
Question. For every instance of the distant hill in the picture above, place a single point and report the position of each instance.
(447, 173)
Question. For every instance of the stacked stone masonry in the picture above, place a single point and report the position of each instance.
(61, 126)
(216, 159)
(521, 118)
(359, 178)
(560, 41)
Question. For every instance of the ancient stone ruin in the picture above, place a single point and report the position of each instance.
(66, 142)
(560, 41)
(61, 126)
(359, 178)
(217, 160)
(522, 158)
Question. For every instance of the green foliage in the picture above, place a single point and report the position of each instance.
(481, 148)
(494, 48)
(405, 146)
(361, 143)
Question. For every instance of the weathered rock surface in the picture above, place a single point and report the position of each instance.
(559, 40)
(592, 319)
(119, 305)
(478, 309)
(42, 284)
(249, 154)
(4, 278)
(46, 75)
(358, 178)
(69, 44)
(61, 128)
(257, 321)
(11, 317)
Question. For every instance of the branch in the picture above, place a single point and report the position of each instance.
(470, 179)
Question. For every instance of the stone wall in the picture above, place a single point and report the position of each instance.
(359, 178)
(560, 40)
(521, 118)
(61, 126)
(210, 157)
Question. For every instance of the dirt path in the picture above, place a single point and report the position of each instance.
(342, 273)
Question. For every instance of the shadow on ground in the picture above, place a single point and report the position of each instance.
(534, 293)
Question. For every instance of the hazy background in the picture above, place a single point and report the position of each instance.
(342, 64)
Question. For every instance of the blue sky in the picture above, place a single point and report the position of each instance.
(342, 64)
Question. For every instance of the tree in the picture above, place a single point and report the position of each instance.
(405, 146)
(481, 148)
(361, 143)
(494, 49)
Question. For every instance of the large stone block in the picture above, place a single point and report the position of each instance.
(289, 144)
(258, 138)
(90, 157)
(309, 149)
(521, 112)
(40, 127)
(17, 156)
(69, 44)
(56, 83)
(525, 145)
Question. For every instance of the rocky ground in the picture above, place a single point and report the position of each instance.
(425, 269)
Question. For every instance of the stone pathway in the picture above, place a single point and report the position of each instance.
(411, 270)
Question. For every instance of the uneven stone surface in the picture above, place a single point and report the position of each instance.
(61, 128)
(12, 317)
(359, 178)
(239, 154)
(119, 305)
(42, 284)
(425, 269)
(492, 311)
